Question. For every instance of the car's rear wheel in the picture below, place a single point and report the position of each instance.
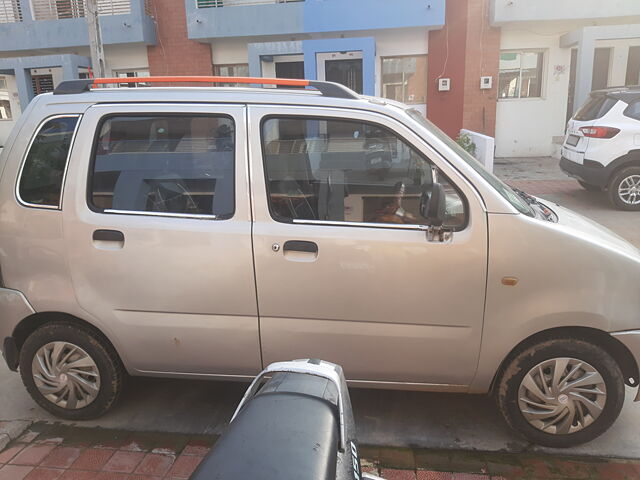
(589, 187)
(624, 189)
(71, 371)
(561, 393)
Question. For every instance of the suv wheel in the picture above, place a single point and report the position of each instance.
(561, 393)
(624, 189)
(589, 187)
(70, 371)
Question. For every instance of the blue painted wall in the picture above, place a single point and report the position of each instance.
(311, 16)
(344, 15)
(244, 21)
(135, 27)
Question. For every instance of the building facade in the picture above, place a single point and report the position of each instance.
(513, 69)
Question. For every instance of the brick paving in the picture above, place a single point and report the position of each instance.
(59, 452)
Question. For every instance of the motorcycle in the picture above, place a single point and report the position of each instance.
(295, 421)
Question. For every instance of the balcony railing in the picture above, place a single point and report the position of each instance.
(10, 11)
(234, 3)
(59, 9)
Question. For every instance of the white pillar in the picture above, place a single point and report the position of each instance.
(584, 69)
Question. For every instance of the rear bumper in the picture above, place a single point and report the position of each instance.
(593, 175)
(14, 307)
(631, 339)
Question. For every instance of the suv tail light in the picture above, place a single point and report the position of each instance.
(599, 132)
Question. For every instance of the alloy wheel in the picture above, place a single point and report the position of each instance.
(66, 375)
(562, 395)
(629, 190)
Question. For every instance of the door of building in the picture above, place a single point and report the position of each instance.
(341, 67)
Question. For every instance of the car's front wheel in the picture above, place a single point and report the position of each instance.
(71, 371)
(624, 189)
(561, 393)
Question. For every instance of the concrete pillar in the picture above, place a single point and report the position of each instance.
(584, 69)
(27, 14)
(69, 69)
(25, 88)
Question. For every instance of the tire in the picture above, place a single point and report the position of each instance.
(588, 187)
(512, 396)
(92, 356)
(629, 175)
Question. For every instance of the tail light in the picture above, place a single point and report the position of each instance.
(599, 132)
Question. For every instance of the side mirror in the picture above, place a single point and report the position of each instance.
(433, 203)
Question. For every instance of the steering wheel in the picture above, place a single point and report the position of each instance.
(297, 208)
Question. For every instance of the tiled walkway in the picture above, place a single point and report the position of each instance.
(52, 452)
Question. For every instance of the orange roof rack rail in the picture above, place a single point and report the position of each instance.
(327, 89)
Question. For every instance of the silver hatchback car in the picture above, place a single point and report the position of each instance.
(208, 232)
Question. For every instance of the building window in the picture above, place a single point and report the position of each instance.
(520, 74)
(209, 3)
(5, 103)
(231, 70)
(43, 170)
(132, 74)
(405, 79)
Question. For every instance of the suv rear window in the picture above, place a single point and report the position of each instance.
(43, 170)
(165, 164)
(633, 110)
(596, 107)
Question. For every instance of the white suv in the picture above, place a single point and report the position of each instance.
(602, 146)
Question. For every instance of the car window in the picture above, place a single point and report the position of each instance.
(595, 107)
(44, 167)
(633, 110)
(165, 164)
(348, 171)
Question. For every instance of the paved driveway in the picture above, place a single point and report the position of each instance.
(389, 418)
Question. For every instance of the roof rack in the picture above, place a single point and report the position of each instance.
(328, 89)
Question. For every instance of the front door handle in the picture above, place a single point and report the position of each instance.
(108, 236)
(300, 246)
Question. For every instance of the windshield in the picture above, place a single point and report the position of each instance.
(503, 189)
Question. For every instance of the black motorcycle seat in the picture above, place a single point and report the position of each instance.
(277, 436)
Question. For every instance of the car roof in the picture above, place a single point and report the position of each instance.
(628, 94)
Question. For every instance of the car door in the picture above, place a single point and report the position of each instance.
(157, 225)
(345, 270)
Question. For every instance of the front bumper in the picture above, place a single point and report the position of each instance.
(631, 340)
(14, 307)
(593, 175)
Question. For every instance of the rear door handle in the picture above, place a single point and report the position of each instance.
(300, 246)
(108, 236)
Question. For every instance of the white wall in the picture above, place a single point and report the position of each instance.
(525, 127)
(126, 57)
(227, 51)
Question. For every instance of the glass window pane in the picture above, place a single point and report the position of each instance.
(531, 75)
(509, 75)
(43, 171)
(179, 164)
(233, 70)
(348, 171)
(404, 79)
(5, 103)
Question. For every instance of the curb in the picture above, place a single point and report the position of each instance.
(11, 430)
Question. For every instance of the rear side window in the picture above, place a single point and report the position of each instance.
(596, 107)
(43, 170)
(633, 110)
(165, 164)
